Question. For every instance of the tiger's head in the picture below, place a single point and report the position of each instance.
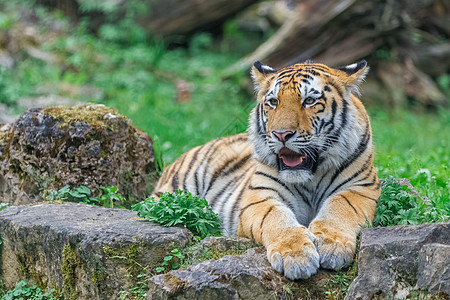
(307, 118)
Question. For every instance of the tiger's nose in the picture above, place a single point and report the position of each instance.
(283, 136)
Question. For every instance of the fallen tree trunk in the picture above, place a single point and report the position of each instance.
(411, 37)
(166, 18)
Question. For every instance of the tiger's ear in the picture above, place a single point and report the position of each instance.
(259, 73)
(354, 74)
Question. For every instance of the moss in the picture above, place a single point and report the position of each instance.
(98, 277)
(6, 137)
(196, 253)
(29, 272)
(129, 255)
(103, 154)
(91, 114)
(70, 263)
(58, 292)
(174, 283)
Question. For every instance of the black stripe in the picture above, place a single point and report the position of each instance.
(253, 203)
(250, 187)
(305, 76)
(374, 180)
(274, 179)
(232, 189)
(177, 165)
(333, 116)
(264, 219)
(355, 155)
(287, 73)
(263, 125)
(312, 72)
(340, 93)
(175, 182)
(280, 197)
(363, 168)
(238, 198)
(222, 173)
(368, 175)
(346, 199)
(305, 199)
(213, 147)
(306, 81)
(175, 179)
(229, 184)
(322, 122)
(362, 195)
(320, 104)
(344, 116)
(258, 115)
(186, 177)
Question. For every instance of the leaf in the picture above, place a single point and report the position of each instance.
(64, 190)
(77, 194)
(84, 190)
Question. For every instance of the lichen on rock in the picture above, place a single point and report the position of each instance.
(69, 265)
(91, 145)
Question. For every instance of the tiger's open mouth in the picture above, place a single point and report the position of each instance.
(291, 160)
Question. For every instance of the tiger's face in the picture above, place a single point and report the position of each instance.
(305, 118)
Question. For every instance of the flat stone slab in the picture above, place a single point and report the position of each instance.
(246, 276)
(86, 251)
(401, 262)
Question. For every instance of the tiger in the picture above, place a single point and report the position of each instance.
(302, 180)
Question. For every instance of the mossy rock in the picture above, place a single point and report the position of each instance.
(91, 145)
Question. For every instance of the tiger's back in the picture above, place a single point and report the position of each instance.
(302, 182)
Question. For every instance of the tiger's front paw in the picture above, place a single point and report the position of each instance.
(294, 254)
(336, 248)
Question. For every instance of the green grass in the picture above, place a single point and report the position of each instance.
(416, 147)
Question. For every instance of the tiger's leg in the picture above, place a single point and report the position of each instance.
(290, 248)
(338, 223)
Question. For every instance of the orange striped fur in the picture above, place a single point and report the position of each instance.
(302, 181)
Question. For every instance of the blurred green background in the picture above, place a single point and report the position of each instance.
(190, 83)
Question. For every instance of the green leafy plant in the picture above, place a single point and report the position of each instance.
(110, 195)
(80, 194)
(398, 206)
(3, 206)
(23, 290)
(169, 260)
(138, 291)
(178, 209)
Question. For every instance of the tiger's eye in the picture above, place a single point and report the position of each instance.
(273, 102)
(309, 101)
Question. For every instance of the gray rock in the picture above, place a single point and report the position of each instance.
(88, 252)
(227, 243)
(434, 268)
(403, 261)
(46, 149)
(247, 276)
